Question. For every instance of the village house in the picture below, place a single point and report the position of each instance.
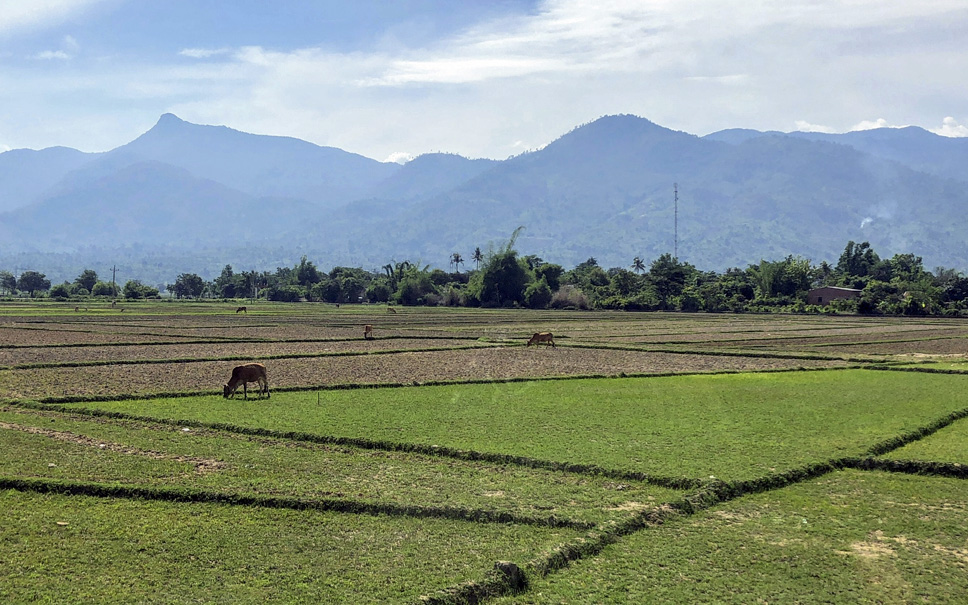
(823, 296)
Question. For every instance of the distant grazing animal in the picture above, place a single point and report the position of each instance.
(540, 337)
(367, 332)
(241, 310)
(76, 309)
(114, 303)
(250, 372)
(391, 310)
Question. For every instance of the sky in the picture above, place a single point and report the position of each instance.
(482, 78)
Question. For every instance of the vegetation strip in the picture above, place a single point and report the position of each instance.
(894, 368)
(100, 490)
(900, 441)
(951, 470)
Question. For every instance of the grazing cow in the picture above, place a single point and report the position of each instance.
(367, 332)
(241, 310)
(76, 309)
(250, 372)
(391, 310)
(540, 337)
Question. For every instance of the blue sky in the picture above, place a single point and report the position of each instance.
(395, 79)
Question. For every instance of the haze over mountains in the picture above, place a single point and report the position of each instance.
(190, 198)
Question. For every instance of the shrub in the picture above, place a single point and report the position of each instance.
(538, 294)
(569, 297)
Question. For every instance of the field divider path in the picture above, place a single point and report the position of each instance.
(712, 492)
(337, 505)
(720, 353)
(122, 362)
(902, 366)
(240, 340)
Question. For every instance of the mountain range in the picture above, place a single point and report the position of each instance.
(184, 197)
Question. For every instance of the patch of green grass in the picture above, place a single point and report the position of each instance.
(848, 537)
(270, 467)
(27, 455)
(80, 549)
(950, 444)
(736, 426)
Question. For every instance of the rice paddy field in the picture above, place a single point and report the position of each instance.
(648, 457)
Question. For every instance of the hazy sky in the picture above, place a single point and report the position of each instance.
(483, 78)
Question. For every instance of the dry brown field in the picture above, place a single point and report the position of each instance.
(165, 347)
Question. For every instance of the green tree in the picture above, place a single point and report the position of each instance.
(477, 257)
(457, 261)
(551, 273)
(103, 289)
(227, 284)
(857, 260)
(306, 274)
(33, 282)
(134, 289)
(503, 279)
(537, 295)
(86, 279)
(669, 276)
(8, 283)
(638, 265)
(189, 285)
(61, 290)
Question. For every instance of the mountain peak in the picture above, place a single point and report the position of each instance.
(169, 119)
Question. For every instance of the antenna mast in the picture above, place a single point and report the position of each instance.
(675, 253)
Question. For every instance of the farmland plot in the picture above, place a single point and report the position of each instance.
(598, 489)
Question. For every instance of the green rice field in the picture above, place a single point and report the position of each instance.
(649, 457)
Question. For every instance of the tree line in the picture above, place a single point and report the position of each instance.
(502, 277)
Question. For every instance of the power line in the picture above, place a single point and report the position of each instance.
(675, 252)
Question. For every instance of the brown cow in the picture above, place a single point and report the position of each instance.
(241, 310)
(540, 337)
(250, 372)
(367, 332)
(391, 310)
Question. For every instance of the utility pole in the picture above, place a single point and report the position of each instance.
(675, 253)
(114, 283)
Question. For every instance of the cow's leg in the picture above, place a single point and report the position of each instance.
(245, 389)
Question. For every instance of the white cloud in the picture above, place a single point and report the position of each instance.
(510, 84)
(52, 54)
(872, 124)
(951, 128)
(31, 14)
(804, 126)
(399, 157)
(203, 53)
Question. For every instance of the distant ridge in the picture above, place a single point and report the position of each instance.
(602, 190)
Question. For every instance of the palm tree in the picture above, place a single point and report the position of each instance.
(477, 257)
(637, 265)
(456, 260)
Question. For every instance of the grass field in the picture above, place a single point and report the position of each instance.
(648, 458)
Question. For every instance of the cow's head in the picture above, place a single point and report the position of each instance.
(226, 391)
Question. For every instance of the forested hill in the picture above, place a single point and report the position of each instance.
(603, 190)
